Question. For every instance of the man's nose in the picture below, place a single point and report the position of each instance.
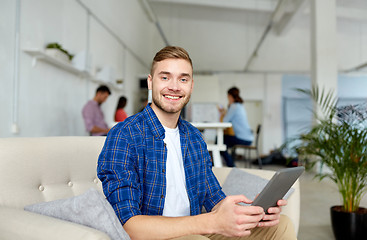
(174, 85)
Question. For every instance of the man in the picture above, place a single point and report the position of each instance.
(93, 115)
(156, 170)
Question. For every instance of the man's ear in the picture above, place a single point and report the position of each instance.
(149, 81)
(192, 86)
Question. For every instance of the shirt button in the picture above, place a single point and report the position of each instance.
(163, 170)
(162, 196)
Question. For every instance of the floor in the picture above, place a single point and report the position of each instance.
(316, 199)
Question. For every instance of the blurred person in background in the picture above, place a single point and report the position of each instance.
(240, 133)
(120, 114)
(93, 115)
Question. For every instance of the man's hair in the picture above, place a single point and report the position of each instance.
(103, 88)
(235, 93)
(170, 52)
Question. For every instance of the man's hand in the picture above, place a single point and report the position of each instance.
(96, 129)
(273, 216)
(235, 220)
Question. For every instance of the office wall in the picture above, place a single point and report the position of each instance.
(46, 100)
(7, 11)
(297, 107)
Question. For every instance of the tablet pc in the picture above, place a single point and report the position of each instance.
(277, 187)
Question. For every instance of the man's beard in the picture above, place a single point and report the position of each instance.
(169, 109)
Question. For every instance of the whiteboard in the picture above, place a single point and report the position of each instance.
(204, 112)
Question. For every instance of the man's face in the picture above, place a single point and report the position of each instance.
(171, 85)
(101, 97)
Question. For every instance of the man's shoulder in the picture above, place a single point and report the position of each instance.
(90, 104)
(130, 125)
(89, 108)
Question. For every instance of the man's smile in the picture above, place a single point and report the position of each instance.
(172, 97)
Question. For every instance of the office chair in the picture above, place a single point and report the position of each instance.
(248, 149)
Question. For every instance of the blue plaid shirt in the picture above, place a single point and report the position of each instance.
(132, 166)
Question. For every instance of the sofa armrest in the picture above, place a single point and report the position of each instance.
(19, 224)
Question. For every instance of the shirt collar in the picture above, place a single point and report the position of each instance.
(156, 126)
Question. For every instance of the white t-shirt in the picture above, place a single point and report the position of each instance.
(177, 202)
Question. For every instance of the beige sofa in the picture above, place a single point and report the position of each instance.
(40, 169)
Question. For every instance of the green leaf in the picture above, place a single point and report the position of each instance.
(339, 145)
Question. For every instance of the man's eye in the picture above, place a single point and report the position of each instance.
(164, 78)
(183, 80)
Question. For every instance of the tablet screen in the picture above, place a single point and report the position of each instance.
(277, 187)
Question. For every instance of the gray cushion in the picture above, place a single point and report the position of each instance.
(90, 209)
(241, 182)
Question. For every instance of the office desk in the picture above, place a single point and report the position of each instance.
(219, 146)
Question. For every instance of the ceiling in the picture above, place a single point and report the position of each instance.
(251, 35)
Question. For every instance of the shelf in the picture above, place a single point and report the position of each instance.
(40, 55)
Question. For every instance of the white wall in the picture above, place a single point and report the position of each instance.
(298, 115)
(47, 101)
(7, 12)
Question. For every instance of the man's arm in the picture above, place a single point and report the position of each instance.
(227, 218)
(160, 227)
(88, 113)
(96, 129)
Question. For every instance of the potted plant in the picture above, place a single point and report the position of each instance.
(338, 140)
(57, 51)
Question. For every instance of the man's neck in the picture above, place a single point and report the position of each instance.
(168, 120)
(96, 100)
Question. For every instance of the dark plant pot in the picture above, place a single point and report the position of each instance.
(351, 226)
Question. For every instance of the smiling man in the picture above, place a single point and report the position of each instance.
(171, 83)
(157, 173)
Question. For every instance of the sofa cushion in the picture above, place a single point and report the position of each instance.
(90, 209)
(241, 182)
